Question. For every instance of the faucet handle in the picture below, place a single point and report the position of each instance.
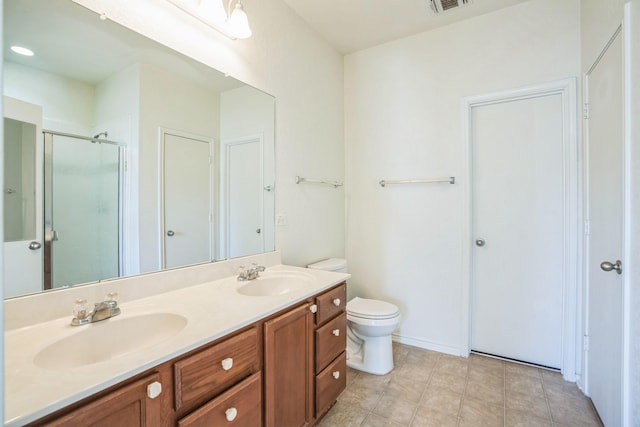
(113, 296)
(81, 309)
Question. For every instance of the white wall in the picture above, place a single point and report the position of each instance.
(288, 60)
(68, 105)
(403, 120)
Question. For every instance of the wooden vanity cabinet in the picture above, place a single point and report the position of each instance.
(330, 348)
(294, 361)
(288, 364)
(305, 360)
(130, 405)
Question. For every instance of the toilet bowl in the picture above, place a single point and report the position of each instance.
(370, 324)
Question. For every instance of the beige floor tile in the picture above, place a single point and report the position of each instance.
(397, 410)
(450, 382)
(527, 403)
(517, 418)
(432, 389)
(522, 370)
(486, 392)
(427, 417)
(374, 420)
(406, 388)
(458, 366)
(524, 384)
(476, 413)
(442, 401)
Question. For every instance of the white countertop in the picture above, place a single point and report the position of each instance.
(212, 310)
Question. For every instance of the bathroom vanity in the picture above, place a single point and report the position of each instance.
(270, 351)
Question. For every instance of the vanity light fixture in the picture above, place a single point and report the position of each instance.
(232, 20)
(20, 50)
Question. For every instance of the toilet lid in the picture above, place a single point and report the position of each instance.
(371, 308)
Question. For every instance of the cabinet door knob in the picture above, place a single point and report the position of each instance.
(336, 374)
(227, 363)
(336, 332)
(313, 308)
(231, 414)
(154, 389)
(336, 302)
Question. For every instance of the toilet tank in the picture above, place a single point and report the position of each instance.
(338, 265)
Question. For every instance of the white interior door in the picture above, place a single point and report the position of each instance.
(22, 193)
(518, 228)
(187, 231)
(605, 208)
(245, 194)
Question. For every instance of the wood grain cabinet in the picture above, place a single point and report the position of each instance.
(285, 370)
(330, 348)
(137, 404)
(305, 360)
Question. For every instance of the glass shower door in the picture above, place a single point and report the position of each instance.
(82, 210)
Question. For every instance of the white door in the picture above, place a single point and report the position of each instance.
(22, 193)
(187, 190)
(518, 229)
(245, 194)
(605, 207)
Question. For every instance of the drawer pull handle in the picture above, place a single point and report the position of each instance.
(336, 374)
(336, 332)
(154, 389)
(231, 414)
(336, 302)
(313, 308)
(227, 363)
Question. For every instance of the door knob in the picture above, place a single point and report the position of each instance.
(479, 242)
(34, 246)
(258, 231)
(170, 233)
(607, 266)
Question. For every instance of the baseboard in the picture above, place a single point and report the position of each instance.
(427, 345)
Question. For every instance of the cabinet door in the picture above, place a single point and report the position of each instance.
(288, 368)
(128, 406)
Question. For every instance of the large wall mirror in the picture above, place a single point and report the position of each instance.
(122, 156)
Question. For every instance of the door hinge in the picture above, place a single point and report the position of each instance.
(587, 228)
(585, 343)
(585, 111)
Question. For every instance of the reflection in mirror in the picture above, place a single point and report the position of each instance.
(151, 160)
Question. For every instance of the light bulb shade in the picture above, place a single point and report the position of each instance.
(238, 23)
(213, 10)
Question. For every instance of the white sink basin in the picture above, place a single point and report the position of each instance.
(276, 283)
(102, 341)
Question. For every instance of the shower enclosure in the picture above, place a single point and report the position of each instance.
(83, 183)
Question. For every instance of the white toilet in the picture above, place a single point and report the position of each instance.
(369, 326)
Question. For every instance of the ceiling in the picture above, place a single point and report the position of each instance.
(352, 25)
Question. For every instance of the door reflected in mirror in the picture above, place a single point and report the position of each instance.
(139, 205)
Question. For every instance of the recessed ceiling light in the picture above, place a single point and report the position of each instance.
(22, 50)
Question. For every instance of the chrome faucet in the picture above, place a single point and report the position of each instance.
(100, 311)
(250, 273)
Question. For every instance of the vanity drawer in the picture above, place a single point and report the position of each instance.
(331, 303)
(240, 406)
(330, 383)
(331, 340)
(203, 375)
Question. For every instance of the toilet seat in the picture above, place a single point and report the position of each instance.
(371, 309)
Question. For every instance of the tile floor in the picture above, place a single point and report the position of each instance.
(434, 389)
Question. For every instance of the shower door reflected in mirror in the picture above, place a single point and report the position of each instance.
(83, 209)
(22, 198)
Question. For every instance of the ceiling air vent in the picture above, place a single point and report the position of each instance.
(439, 6)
